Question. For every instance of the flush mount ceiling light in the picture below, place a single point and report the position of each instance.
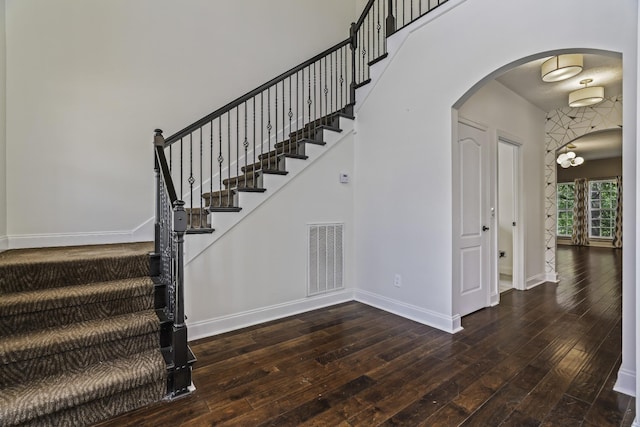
(568, 159)
(588, 95)
(561, 67)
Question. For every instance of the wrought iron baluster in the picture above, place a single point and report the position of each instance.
(334, 81)
(341, 80)
(220, 159)
(201, 182)
(211, 165)
(290, 114)
(237, 158)
(254, 130)
(268, 120)
(283, 113)
(181, 167)
(275, 120)
(319, 89)
(326, 88)
(245, 144)
(229, 155)
(309, 101)
(262, 123)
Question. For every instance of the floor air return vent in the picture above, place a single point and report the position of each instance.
(326, 260)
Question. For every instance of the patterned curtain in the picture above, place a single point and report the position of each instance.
(580, 234)
(617, 232)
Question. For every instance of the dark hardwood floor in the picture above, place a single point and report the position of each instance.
(547, 357)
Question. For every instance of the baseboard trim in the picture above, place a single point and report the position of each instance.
(232, 322)
(4, 243)
(69, 239)
(626, 382)
(537, 280)
(451, 324)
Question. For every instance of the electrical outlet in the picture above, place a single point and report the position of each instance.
(397, 280)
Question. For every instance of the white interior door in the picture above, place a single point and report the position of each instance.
(473, 239)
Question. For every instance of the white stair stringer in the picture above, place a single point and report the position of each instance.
(223, 222)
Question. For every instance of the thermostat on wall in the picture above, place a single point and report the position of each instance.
(344, 178)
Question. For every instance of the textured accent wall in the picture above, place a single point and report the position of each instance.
(563, 126)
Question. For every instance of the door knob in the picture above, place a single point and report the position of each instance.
(485, 228)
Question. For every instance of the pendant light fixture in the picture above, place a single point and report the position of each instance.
(561, 67)
(588, 95)
(569, 158)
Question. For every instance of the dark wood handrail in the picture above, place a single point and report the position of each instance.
(158, 143)
(196, 125)
(364, 14)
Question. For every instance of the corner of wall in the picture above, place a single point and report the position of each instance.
(4, 243)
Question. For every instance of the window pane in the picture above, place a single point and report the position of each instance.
(595, 232)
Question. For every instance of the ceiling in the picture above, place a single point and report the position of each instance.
(525, 80)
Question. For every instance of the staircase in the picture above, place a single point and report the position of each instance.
(87, 333)
(273, 162)
(79, 335)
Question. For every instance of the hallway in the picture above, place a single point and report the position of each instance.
(548, 356)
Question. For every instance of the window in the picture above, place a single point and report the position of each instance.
(603, 200)
(565, 196)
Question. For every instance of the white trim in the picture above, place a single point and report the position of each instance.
(626, 382)
(231, 322)
(70, 239)
(4, 243)
(451, 324)
(537, 280)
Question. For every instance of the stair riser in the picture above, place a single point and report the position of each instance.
(221, 202)
(98, 410)
(197, 220)
(30, 277)
(252, 182)
(25, 322)
(32, 369)
(270, 163)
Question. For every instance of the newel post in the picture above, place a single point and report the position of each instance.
(179, 347)
(353, 34)
(391, 20)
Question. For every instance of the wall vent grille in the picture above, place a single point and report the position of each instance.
(326, 259)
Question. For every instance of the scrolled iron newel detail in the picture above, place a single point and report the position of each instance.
(168, 266)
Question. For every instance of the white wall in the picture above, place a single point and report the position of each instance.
(258, 270)
(403, 151)
(506, 113)
(3, 145)
(89, 81)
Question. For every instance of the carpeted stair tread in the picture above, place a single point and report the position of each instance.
(49, 299)
(31, 269)
(67, 338)
(28, 401)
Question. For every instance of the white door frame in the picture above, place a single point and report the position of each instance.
(518, 230)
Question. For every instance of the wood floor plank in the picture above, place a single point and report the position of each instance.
(548, 356)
